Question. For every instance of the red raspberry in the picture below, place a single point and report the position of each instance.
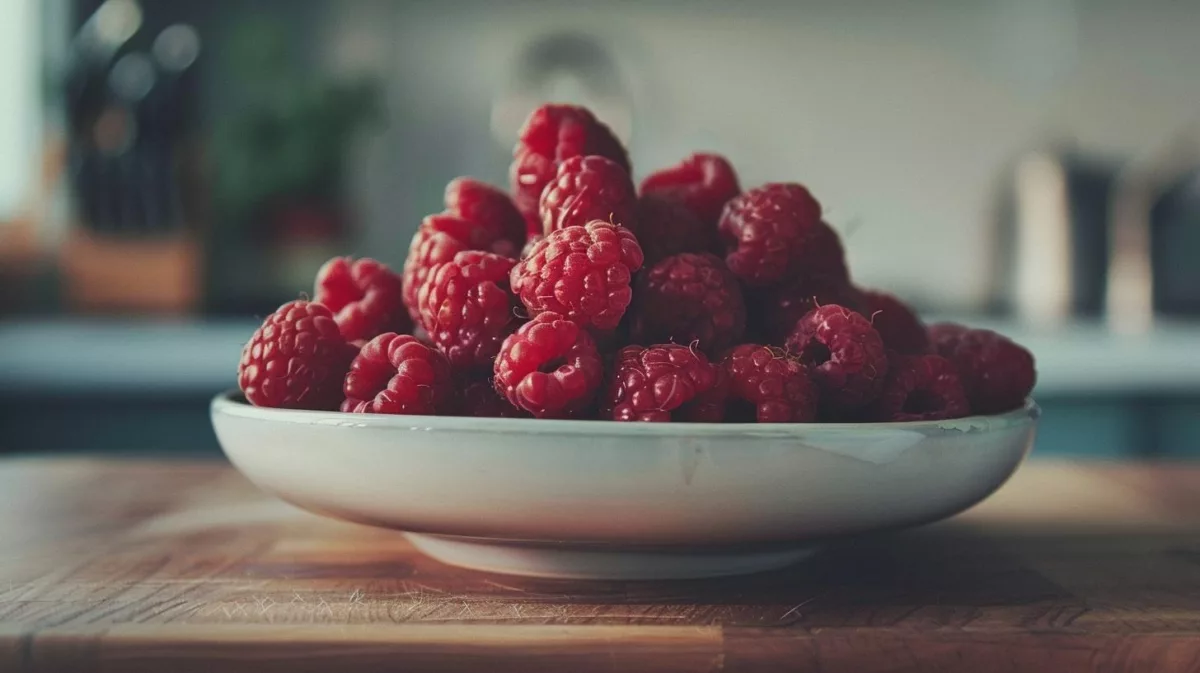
(703, 183)
(775, 232)
(585, 189)
(296, 359)
(396, 374)
(530, 244)
(774, 386)
(439, 238)
(467, 308)
(480, 399)
(421, 335)
(552, 134)
(550, 368)
(897, 324)
(844, 356)
(667, 228)
(366, 297)
(663, 383)
(689, 298)
(581, 272)
(920, 388)
(489, 208)
(996, 373)
(610, 340)
(709, 406)
(777, 310)
(429, 248)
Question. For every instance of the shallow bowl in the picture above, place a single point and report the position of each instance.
(594, 499)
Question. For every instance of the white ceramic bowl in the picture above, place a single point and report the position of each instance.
(620, 500)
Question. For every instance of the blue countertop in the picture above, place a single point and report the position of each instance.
(82, 357)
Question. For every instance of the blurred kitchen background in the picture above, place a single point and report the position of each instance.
(170, 171)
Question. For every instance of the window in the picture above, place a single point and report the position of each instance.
(20, 102)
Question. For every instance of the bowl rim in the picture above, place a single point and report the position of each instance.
(231, 403)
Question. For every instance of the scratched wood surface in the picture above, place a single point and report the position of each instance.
(137, 566)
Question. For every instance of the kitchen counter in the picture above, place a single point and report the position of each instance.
(143, 387)
(152, 566)
(115, 357)
(73, 357)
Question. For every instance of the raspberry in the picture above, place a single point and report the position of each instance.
(396, 374)
(773, 385)
(689, 298)
(581, 272)
(489, 208)
(667, 228)
(777, 310)
(585, 189)
(709, 406)
(897, 324)
(920, 388)
(702, 183)
(550, 368)
(775, 232)
(366, 297)
(610, 340)
(480, 399)
(530, 244)
(552, 134)
(996, 373)
(429, 248)
(844, 356)
(467, 309)
(421, 335)
(439, 238)
(662, 383)
(296, 359)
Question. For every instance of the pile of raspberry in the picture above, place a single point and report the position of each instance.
(577, 294)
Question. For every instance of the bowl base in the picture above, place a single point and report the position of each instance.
(566, 561)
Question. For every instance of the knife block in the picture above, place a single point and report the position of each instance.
(104, 274)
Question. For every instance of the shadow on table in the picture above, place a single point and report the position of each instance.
(937, 577)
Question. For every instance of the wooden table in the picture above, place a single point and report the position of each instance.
(130, 567)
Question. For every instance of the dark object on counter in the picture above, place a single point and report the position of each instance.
(1175, 248)
(128, 137)
(131, 100)
(1051, 246)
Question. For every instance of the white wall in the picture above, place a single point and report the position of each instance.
(899, 115)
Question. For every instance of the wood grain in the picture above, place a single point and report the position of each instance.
(140, 566)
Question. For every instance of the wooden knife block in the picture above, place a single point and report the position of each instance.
(116, 275)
